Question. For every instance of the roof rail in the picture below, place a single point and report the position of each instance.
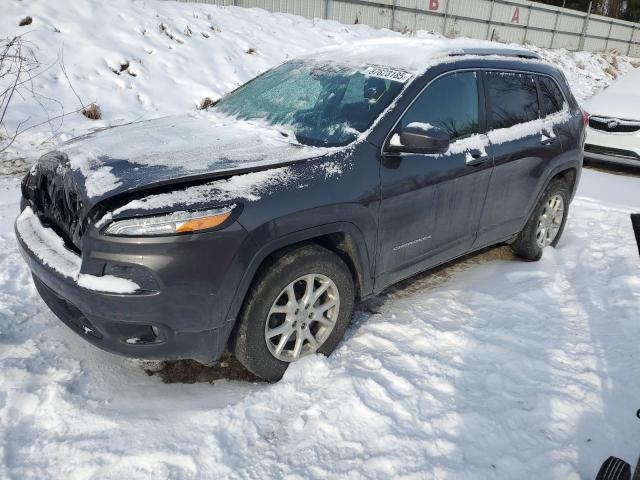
(503, 52)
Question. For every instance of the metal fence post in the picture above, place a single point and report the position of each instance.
(606, 44)
(490, 18)
(393, 14)
(415, 18)
(326, 9)
(633, 31)
(585, 25)
(526, 27)
(446, 14)
(555, 28)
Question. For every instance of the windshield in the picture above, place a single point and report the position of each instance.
(325, 105)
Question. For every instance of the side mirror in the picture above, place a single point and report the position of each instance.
(419, 138)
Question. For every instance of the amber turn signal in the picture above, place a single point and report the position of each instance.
(203, 223)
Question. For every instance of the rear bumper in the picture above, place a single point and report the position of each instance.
(184, 315)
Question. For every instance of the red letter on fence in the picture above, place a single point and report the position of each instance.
(434, 4)
(516, 16)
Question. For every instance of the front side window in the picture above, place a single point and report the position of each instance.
(324, 104)
(449, 103)
(513, 97)
(552, 99)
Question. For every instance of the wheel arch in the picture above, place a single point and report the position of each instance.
(342, 238)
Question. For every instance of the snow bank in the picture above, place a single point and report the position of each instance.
(155, 58)
(45, 244)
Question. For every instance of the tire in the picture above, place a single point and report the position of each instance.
(269, 297)
(614, 469)
(527, 244)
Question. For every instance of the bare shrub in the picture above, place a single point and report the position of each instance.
(25, 21)
(251, 51)
(19, 69)
(206, 102)
(92, 112)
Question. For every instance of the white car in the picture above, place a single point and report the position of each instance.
(613, 134)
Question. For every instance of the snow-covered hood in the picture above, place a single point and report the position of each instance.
(615, 105)
(621, 100)
(156, 152)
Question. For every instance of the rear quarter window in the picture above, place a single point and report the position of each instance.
(552, 98)
(513, 98)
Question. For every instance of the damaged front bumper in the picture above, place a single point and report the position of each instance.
(180, 310)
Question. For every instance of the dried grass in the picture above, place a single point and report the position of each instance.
(92, 112)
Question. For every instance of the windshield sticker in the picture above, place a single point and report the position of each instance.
(388, 73)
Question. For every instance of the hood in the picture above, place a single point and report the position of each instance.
(179, 148)
(620, 100)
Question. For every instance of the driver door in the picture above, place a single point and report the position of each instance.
(431, 203)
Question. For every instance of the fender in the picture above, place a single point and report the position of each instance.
(573, 164)
(361, 254)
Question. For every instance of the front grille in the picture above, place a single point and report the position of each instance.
(613, 152)
(613, 125)
(51, 192)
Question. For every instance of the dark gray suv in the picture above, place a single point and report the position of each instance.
(255, 226)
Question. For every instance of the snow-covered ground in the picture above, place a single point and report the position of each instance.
(490, 368)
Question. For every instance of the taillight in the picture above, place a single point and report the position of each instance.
(585, 118)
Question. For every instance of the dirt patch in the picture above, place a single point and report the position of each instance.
(14, 167)
(190, 371)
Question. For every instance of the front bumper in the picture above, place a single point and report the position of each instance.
(618, 148)
(184, 313)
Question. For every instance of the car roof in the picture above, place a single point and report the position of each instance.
(414, 54)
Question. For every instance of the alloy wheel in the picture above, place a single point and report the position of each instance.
(550, 221)
(302, 317)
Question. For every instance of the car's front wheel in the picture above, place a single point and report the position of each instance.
(546, 224)
(300, 303)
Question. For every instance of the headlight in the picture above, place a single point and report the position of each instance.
(170, 224)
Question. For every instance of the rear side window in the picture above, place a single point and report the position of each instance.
(450, 103)
(514, 98)
(552, 99)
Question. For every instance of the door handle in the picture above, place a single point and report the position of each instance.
(476, 158)
(546, 140)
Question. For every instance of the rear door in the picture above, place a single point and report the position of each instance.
(431, 204)
(521, 149)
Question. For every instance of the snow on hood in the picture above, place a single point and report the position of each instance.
(620, 100)
(131, 156)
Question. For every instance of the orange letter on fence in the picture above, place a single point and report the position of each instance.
(434, 4)
(516, 16)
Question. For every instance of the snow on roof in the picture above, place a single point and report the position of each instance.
(410, 54)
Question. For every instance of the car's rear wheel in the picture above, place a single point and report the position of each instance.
(546, 224)
(300, 303)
